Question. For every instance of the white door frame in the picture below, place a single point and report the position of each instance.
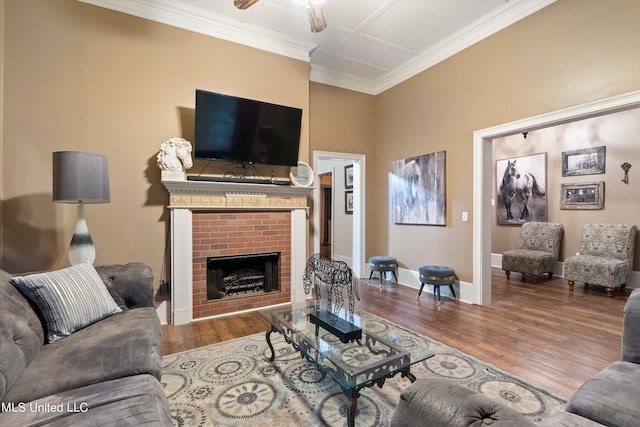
(483, 168)
(359, 173)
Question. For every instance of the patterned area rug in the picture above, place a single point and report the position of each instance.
(234, 384)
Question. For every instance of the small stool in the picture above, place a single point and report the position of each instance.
(436, 276)
(382, 264)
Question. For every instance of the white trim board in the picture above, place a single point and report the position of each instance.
(409, 278)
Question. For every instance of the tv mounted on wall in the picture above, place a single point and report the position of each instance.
(240, 130)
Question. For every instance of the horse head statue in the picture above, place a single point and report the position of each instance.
(175, 155)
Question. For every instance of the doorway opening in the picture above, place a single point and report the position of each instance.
(349, 205)
(483, 168)
(325, 182)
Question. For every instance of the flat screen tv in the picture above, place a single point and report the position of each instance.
(242, 130)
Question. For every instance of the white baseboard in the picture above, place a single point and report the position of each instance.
(410, 278)
(558, 271)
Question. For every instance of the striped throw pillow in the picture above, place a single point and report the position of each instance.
(69, 299)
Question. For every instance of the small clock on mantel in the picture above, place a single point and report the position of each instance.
(301, 175)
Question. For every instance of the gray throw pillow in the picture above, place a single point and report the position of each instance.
(69, 299)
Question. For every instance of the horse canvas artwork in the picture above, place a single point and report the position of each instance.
(417, 187)
(521, 195)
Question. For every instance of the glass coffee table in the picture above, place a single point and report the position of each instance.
(354, 365)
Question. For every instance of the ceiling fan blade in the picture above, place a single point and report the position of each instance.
(316, 17)
(244, 4)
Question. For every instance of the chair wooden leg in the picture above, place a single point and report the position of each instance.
(550, 275)
(571, 283)
(534, 279)
(609, 291)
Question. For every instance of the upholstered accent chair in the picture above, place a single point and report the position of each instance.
(605, 257)
(538, 250)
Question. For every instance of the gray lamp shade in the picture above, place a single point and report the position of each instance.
(80, 177)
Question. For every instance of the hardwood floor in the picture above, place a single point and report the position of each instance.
(548, 336)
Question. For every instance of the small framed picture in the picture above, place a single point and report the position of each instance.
(588, 195)
(588, 161)
(348, 176)
(348, 202)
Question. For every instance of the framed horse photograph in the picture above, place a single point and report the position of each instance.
(521, 189)
(417, 187)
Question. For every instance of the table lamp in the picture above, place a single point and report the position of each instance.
(80, 178)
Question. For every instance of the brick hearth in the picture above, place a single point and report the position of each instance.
(239, 233)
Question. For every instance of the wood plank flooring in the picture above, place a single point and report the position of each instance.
(548, 336)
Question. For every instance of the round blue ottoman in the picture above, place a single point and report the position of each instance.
(436, 276)
(382, 264)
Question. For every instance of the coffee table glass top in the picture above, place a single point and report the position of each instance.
(379, 354)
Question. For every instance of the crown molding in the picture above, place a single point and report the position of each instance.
(484, 27)
(326, 76)
(179, 15)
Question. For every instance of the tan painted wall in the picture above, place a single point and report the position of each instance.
(79, 77)
(566, 54)
(620, 134)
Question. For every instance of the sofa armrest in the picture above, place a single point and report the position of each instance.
(440, 402)
(631, 329)
(130, 285)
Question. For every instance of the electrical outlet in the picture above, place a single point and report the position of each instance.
(465, 216)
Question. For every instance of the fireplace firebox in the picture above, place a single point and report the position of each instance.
(242, 274)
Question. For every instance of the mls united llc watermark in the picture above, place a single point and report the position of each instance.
(44, 407)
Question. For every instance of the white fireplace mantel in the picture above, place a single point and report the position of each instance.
(212, 188)
(187, 196)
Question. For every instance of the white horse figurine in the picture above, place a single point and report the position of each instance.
(174, 158)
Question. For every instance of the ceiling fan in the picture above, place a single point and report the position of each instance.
(314, 9)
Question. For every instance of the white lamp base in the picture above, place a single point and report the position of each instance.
(81, 249)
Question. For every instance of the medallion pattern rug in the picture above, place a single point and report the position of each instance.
(234, 384)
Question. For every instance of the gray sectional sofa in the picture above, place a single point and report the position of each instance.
(105, 373)
(611, 397)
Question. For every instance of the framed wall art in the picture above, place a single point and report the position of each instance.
(417, 186)
(521, 189)
(586, 195)
(348, 176)
(587, 161)
(348, 202)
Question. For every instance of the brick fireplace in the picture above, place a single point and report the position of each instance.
(239, 233)
(211, 219)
